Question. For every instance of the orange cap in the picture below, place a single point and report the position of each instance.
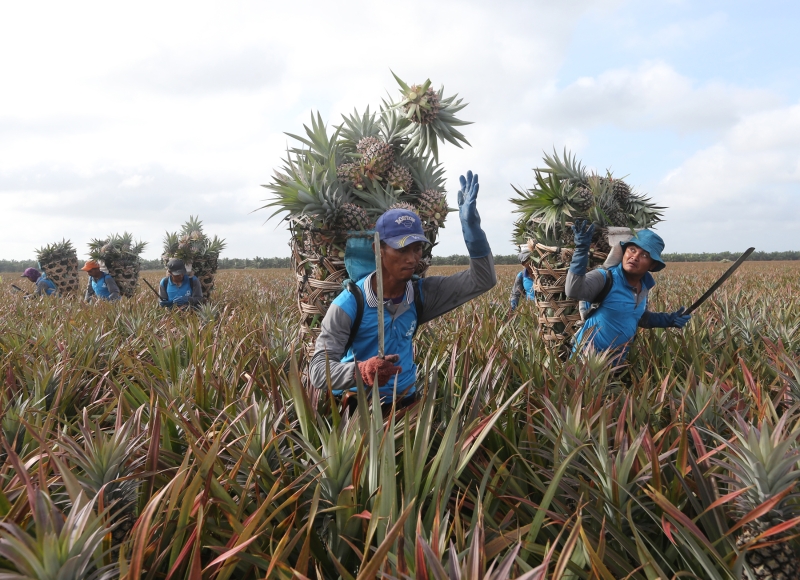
(90, 265)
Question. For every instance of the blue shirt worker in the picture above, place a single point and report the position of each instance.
(523, 283)
(619, 294)
(44, 286)
(402, 242)
(101, 284)
(178, 288)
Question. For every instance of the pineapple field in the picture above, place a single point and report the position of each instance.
(143, 443)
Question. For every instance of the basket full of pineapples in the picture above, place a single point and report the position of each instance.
(119, 255)
(59, 262)
(199, 253)
(565, 191)
(333, 185)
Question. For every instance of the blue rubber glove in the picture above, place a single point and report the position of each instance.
(181, 300)
(675, 319)
(584, 230)
(165, 303)
(474, 237)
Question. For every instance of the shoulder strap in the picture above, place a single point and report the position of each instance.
(359, 296)
(598, 301)
(417, 301)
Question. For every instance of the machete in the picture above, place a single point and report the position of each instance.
(151, 288)
(720, 282)
(379, 275)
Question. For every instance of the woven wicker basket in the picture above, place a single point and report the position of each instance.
(558, 316)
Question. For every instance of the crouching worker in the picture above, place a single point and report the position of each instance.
(523, 283)
(101, 284)
(350, 345)
(44, 286)
(178, 288)
(618, 296)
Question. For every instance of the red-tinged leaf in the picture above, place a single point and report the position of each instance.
(777, 529)
(764, 508)
(725, 499)
(141, 531)
(232, 552)
(678, 515)
(187, 547)
(667, 529)
(365, 515)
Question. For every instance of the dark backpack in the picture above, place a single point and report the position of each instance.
(359, 296)
(165, 281)
(598, 301)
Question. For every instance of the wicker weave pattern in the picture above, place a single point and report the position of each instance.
(558, 316)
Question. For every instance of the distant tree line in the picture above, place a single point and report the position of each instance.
(454, 260)
(719, 256)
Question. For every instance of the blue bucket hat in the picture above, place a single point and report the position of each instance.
(651, 243)
(400, 228)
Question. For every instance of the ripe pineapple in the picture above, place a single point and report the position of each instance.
(764, 461)
(354, 217)
(120, 255)
(621, 191)
(400, 178)
(406, 206)
(352, 173)
(423, 104)
(584, 198)
(376, 157)
(433, 207)
(59, 262)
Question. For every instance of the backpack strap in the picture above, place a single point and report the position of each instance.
(417, 301)
(359, 296)
(598, 301)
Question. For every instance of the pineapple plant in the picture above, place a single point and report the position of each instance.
(199, 252)
(563, 192)
(763, 462)
(333, 184)
(120, 256)
(59, 262)
(107, 462)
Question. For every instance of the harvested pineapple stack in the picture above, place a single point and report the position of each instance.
(120, 256)
(59, 261)
(199, 252)
(334, 186)
(564, 191)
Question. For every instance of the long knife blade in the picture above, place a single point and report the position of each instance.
(720, 282)
(379, 275)
(151, 288)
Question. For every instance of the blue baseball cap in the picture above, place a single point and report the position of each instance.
(651, 243)
(400, 228)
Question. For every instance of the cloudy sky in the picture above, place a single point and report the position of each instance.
(131, 117)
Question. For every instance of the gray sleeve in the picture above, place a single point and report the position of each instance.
(517, 289)
(585, 287)
(441, 294)
(197, 292)
(89, 294)
(112, 288)
(162, 290)
(330, 349)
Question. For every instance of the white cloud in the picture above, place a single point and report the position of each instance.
(744, 190)
(654, 95)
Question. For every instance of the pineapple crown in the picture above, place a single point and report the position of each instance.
(764, 463)
(191, 242)
(115, 247)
